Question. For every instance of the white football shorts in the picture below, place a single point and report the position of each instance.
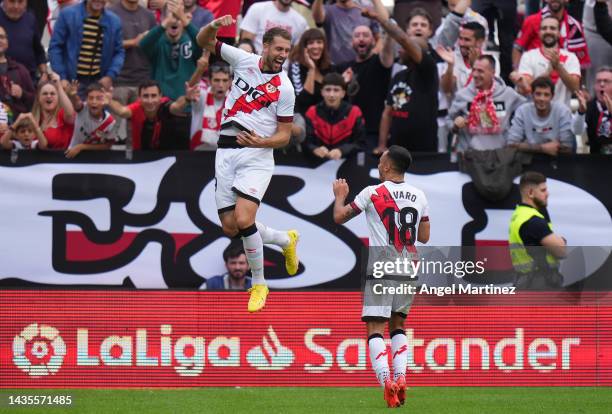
(244, 172)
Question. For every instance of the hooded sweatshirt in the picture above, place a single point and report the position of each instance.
(505, 99)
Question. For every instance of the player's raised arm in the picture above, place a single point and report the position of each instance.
(342, 212)
(207, 37)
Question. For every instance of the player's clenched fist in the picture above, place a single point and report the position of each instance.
(341, 188)
(226, 20)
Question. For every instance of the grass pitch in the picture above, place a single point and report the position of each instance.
(434, 400)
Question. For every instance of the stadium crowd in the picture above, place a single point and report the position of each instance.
(458, 75)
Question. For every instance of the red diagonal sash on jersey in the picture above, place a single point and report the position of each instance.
(270, 91)
(382, 200)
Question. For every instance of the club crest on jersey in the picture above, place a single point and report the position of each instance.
(270, 88)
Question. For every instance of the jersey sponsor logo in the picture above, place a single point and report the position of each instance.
(256, 98)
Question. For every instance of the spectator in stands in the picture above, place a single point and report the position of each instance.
(24, 40)
(24, 134)
(200, 16)
(87, 45)
(334, 127)
(369, 75)
(599, 113)
(481, 112)
(549, 60)
(157, 122)
(571, 34)
(220, 8)
(3, 119)
(309, 63)
(94, 127)
(543, 125)
(54, 113)
(339, 20)
(603, 20)
(600, 51)
(247, 45)
(461, 60)
(402, 10)
(16, 89)
(136, 22)
(237, 267)
(267, 14)
(410, 114)
(172, 51)
(460, 13)
(504, 11)
(206, 112)
(456, 72)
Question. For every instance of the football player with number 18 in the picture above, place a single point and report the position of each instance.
(397, 216)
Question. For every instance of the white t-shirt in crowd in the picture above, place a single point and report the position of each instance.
(535, 64)
(263, 16)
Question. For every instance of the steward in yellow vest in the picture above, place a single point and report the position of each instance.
(535, 249)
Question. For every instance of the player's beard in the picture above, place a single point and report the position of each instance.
(272, 64)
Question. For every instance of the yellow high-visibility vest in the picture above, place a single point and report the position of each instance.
(521, 259)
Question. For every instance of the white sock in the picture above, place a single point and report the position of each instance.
(379, 357)
(271, 236)
(399, 349)
(253, 248)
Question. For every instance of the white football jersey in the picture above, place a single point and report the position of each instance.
(393, 213)
(257, 100)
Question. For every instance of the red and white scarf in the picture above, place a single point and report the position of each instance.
(482, 119)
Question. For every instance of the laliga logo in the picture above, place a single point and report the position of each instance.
(270, 357)
(38, 350)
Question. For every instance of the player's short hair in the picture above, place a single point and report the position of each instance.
(420, 12)
(489, 59)
(530, 178)
(220, 66)
(477, 28)
(149, 84)
(232, 251)
(400, 158)
(96, 86)
(269, 35)
(543, 82)
(334, 79)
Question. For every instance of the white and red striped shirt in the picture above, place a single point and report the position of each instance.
(90, 130)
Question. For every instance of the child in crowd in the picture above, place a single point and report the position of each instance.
(24, 134)
(94, 128)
